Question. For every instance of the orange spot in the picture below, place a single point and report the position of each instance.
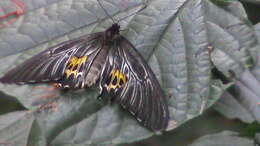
(56, 85)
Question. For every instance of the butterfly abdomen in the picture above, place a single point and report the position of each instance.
(96, 67)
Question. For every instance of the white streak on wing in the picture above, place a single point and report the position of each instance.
(132, 112)
(141, 100)
(132, 101)
(46, 65)
(31, 81)
(56, 79)
(138, 119)
(66, 86)
(82, 84)
(57, 64)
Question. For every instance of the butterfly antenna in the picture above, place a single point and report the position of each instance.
(133, 13)
(106, 11)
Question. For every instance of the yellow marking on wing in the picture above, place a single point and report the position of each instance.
(74, 65)
(118, 76)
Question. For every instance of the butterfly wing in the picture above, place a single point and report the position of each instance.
(65, 63)
(133, 85)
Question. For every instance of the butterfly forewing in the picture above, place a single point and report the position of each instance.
(66, 63)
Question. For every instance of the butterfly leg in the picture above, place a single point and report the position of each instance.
(103, 96)
(101, 93)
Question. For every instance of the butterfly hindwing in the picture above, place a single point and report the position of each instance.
(132, 84)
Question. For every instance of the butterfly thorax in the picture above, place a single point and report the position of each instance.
(112, 33)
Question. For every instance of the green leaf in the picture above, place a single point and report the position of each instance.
(236, 8)
(46, 20)
(232, 39)
(243, 105)
(230, 107)
(225, 138)
(20, 128)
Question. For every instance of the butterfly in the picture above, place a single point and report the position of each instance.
(106, 59)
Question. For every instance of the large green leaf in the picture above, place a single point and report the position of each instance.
(226, 138)
(20, 128)
(244, 104)
(233, 41)
(172, 35)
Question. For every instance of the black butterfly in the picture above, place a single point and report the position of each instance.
(106, 59)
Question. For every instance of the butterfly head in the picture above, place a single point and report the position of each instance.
(112, 32)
